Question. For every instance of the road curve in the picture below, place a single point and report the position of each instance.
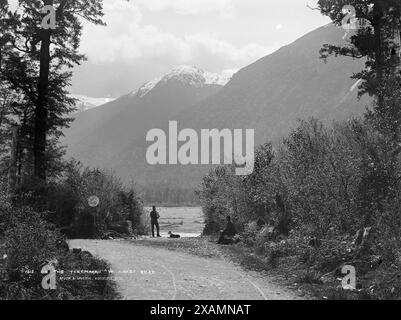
(148, 273)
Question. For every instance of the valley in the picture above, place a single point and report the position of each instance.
(268, 96)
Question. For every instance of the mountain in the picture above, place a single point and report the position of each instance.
(293, 83)
(268, 96)
(85, 103)
(98, 137)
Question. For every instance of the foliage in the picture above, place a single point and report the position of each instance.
(68, 202)
(5, 206)
(35, 66)
(29, 244)
(333, 181)
(378, 29)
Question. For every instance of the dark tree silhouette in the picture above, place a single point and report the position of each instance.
(376, 38)
(37, 65)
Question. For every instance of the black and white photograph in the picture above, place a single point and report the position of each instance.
(200, 158)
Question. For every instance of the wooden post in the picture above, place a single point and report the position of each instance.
(12, 171)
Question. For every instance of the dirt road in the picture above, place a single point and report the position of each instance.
(158, 274)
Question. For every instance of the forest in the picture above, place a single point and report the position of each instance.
(44, 199)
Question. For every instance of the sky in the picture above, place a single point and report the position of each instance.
(144, 39)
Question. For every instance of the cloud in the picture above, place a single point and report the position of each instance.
(209, 49)
(126, 38)
(146, 38)
(189, 6)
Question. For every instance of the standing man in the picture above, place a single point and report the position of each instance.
(154, 217)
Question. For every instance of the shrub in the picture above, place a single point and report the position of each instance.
(275, 251)
(322, 183)
(250, 234)
(30, 243)
(70, 211)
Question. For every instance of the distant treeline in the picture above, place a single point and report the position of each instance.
(169, 195)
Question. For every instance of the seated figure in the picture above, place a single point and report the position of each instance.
(226, 236)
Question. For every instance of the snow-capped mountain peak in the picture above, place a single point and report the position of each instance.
(188, 75)
(147, 87)
(85, 103)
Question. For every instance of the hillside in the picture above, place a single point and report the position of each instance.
(269, 96)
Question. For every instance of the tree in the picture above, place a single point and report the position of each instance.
(379, 27)
(4, 93)
(377, 39)
(38, 65)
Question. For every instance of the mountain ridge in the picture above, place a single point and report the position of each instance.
(116, 123)
(270, 96)
(191, 75)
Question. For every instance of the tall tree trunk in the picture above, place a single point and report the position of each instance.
(284, 217)
(12, 171)
(40, 128)
(379, 54)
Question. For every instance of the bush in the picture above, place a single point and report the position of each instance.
(70, 211)
(5, 208)
(31, 243)
(319, 186)
(275, 251)
(97, 287)
(250, 234)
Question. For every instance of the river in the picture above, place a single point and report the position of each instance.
(186, 221)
